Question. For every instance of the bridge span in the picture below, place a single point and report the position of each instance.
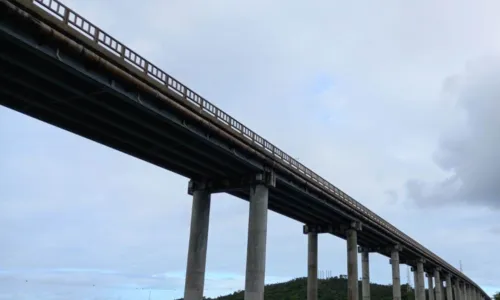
(58, 67)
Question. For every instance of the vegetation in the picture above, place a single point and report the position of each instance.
(332, 289)
(496, 296)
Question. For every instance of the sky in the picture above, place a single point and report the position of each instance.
(394, 103)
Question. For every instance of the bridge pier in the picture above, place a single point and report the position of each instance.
(420, 291)
(312, 265)
(365, 274)
(396, 279)
(449, 291)
(256, 246)
(197, 251)
(258, 185)
(352, 261)
(458, 295)
(430, 283)
(438, 284)
(415, 283)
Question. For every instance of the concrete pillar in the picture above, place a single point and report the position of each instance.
(352, 264)
(449, 291)
(415, 283)
(438, 285)
(256, 246)
(197, 251)
(396, 280)
(312, 266)
(456, 291)
(365, 275)
(420, 281)
(431, 286)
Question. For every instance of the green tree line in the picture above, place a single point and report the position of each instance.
(332, 289)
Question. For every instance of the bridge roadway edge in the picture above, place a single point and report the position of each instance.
(308, 185)
(27, 61)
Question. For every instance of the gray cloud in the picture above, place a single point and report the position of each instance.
(468, 151)
(351, 90)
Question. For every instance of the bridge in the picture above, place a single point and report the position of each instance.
(58, 67)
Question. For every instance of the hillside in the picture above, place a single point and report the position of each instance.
(332, 289)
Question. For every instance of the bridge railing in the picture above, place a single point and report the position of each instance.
(127, 55)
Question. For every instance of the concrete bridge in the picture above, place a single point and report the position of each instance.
(58, 67)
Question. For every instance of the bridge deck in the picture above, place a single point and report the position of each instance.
(54, 73)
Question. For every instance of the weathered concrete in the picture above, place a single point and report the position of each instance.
(312, 266)
(437, 285)
(396, 280)
(415, 283)
(352, 264)
(365, 275)
(256, 246)
(430, 283)
(197, 251)
(456, 291)
(420, 281)
(449, 289)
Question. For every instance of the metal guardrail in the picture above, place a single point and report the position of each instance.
(127, 55)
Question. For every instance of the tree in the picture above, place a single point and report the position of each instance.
(496, 296)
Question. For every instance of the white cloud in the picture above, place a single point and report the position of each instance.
(372, 123)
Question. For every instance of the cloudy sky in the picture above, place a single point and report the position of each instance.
(395, 103)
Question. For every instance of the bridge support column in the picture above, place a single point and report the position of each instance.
(197, 252)
(449, 289)
(420, 280)
(415, 283)
(438, 284)
(256, 246)
(312, 266)
(396, 280)
(456, 290)
(431, 285)
(352, 261)
(258, 184)
(365, 274)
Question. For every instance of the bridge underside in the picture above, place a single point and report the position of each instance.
(43, 79)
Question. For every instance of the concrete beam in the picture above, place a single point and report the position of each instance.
(225, 185)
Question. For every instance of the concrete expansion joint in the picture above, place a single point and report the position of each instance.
(237, 183)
